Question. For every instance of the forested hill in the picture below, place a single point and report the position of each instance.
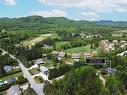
(113, 23)
(38, 21)
(53, 23)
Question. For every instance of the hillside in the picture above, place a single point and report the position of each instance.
(38, 21)
(56, 23)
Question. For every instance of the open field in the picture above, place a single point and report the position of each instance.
(31, 42)
(80, 49)
(11, 76)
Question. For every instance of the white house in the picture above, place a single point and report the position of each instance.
(44, 70)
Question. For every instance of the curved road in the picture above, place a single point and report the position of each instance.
(38, 88)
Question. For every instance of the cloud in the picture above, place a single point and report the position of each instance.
(93, 5)
(53, 13)
(9, 2)
(90, 15)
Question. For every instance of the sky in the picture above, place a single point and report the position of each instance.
(73, 9)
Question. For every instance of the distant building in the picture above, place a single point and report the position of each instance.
(39, 61)
(61, 54)
(87, 54)
(14, 90)
(115, 42)
(96, 61)
(104, 44)
(76, 56)
(8, 68)
(12, 80)
(55, 53)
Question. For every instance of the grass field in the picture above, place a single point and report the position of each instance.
(80, 49)
(60, 45)
(31, 42)
(11, 76)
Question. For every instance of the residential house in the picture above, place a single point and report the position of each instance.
(87, 54)
(39, 61)
(104, 44)
(96, 61)
(76, 56)
(44, 70)
(55, 53)
(8, 68)
(14, 90)
(61, 54)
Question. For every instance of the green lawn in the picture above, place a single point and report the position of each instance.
(11, 76)
(61, 45)
(34, 71)
(80, 49)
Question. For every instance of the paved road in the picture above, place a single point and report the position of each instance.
(101, 77)
(38, 88)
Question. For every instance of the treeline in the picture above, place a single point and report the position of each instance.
(84, 81)
(38, 23)
(57, 72)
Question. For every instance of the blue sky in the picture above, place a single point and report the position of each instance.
(73, 9)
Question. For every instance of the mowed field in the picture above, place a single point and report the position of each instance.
(81, 49)
(35, 40)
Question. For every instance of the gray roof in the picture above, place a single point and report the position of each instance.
(61, 54)
(14, 90)
(39, 61)
(87, 54)
(8, 68)
(76, 56)
(110, 70)
(11, 80)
